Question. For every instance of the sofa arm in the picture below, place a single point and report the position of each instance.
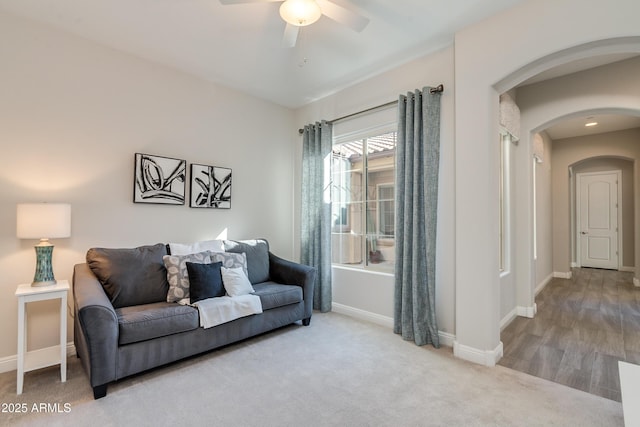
(292, 273)
(98, 323)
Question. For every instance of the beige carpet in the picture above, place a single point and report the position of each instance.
(337, 372)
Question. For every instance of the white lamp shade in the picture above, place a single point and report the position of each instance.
(43, 220)
(300, 12)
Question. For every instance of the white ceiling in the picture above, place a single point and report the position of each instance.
(570, 128)
(240, 45)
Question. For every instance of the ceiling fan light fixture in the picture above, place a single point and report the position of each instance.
(300, 12)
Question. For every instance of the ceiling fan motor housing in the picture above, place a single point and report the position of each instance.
(300, 12)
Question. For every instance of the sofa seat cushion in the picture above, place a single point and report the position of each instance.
(148, 321)
(274, 295)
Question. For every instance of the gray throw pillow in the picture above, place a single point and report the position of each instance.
(131, 276)
(230, 260)
(257, 252)
(178, 275)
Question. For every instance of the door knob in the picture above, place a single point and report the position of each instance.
(583, 232)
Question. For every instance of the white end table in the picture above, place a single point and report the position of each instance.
(31, 360)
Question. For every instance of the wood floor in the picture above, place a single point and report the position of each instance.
(583, 327)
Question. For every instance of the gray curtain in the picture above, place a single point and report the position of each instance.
(316, 209)
(417, 164)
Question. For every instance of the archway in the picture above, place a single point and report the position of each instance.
(528, 283)
(563, 103)
(482, 73)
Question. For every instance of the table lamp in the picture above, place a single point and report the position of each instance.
(43, 221)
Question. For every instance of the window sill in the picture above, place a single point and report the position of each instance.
(363, 270)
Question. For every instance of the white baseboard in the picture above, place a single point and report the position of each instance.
(622, 268)
(481, 357)
(378, 319)
(521, 311)
(529, 312)
(562, 274)
(10, 363)
(508, 318)
(543, 284)
(446, 338)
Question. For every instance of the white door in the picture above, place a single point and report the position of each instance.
(598, 219)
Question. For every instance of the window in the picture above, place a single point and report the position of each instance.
(505, 200)
(536, 160)
(363, 204)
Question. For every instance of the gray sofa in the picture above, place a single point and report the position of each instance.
(124, 325)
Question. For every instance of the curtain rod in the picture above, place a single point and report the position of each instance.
(437, 89)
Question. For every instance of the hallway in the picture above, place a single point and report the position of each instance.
(583, 327)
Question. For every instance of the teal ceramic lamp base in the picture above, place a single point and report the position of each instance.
(44, 270)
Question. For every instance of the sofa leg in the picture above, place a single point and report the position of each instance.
(306, 322)
(99, 391)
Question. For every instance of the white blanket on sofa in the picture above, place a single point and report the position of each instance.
(216, 311)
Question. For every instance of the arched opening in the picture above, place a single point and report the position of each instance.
(545, 107)
(573, 149)
(481, 76)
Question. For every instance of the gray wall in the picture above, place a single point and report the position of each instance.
(544, 216)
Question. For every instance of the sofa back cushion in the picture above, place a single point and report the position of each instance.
(257, 252)
(131, 276)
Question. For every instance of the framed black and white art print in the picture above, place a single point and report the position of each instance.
(210, 187)
(159, 180)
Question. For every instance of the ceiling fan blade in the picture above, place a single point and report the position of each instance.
(247, 1)
(343, 15)
(290, 36)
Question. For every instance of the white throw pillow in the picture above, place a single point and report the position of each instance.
(196, 247)
(236, 282)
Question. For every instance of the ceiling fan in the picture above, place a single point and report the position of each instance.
(300, 13)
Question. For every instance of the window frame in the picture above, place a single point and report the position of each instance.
(380, 201)
(505, 202)
(364, 134)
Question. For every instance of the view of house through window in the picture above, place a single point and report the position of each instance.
(363, 206)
